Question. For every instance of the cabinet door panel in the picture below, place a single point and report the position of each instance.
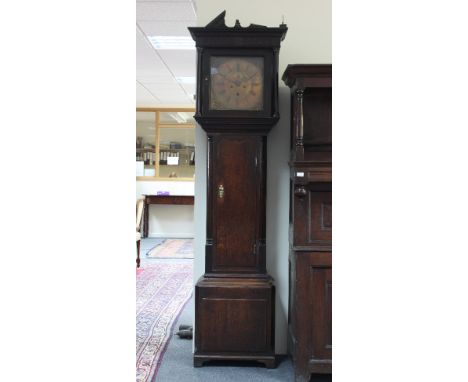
(313, 216)
(317, 116)
(235, 324)
(235, 202)
(312, 311)
(321, 300)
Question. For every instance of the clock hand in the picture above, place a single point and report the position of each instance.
(253, 75)
(222, 75)
(246, 79)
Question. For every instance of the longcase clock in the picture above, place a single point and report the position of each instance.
(237, 105)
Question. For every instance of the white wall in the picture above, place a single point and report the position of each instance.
(308, 41)
(168, 220)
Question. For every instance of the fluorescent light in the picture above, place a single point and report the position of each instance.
(172, 42)
(185, 80)
(179, 117)
(183, 117)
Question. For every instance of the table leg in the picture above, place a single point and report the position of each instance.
(145, 219)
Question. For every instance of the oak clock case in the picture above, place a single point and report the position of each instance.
(237, 105)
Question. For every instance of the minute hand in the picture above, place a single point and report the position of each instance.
(232, 82)
(253, 75)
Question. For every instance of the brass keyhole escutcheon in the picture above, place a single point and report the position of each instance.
(220, 191)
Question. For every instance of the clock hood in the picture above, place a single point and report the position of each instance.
(216, 35)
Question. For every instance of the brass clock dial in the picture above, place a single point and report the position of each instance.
(236, 83)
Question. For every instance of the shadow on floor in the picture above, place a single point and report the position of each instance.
(321, 378)
(279, 360)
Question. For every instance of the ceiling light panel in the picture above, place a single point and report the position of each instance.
(178, 117)
(166, 28)
(165, 66)
(172, 42)
(186, 80)
(147, 60)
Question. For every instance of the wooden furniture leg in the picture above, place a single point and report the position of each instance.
(138, 254)
(145, 219)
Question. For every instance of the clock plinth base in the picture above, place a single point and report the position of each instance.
(235, 320)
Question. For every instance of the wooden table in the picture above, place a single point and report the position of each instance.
(163, 199)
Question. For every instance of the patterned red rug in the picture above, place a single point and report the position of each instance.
(172, 249)
(162, 290)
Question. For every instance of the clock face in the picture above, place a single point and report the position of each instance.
(236, 83)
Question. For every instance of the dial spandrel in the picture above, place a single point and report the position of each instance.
(236, 83)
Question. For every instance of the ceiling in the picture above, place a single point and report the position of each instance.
(157, 70)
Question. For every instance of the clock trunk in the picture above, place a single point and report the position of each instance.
(236, 181)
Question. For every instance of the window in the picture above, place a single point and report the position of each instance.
(165, 144)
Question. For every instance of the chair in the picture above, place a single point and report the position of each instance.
(139, 213)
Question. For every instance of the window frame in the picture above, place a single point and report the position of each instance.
(158, 126)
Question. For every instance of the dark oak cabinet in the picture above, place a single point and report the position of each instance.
(237, 105)
(310, 260)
